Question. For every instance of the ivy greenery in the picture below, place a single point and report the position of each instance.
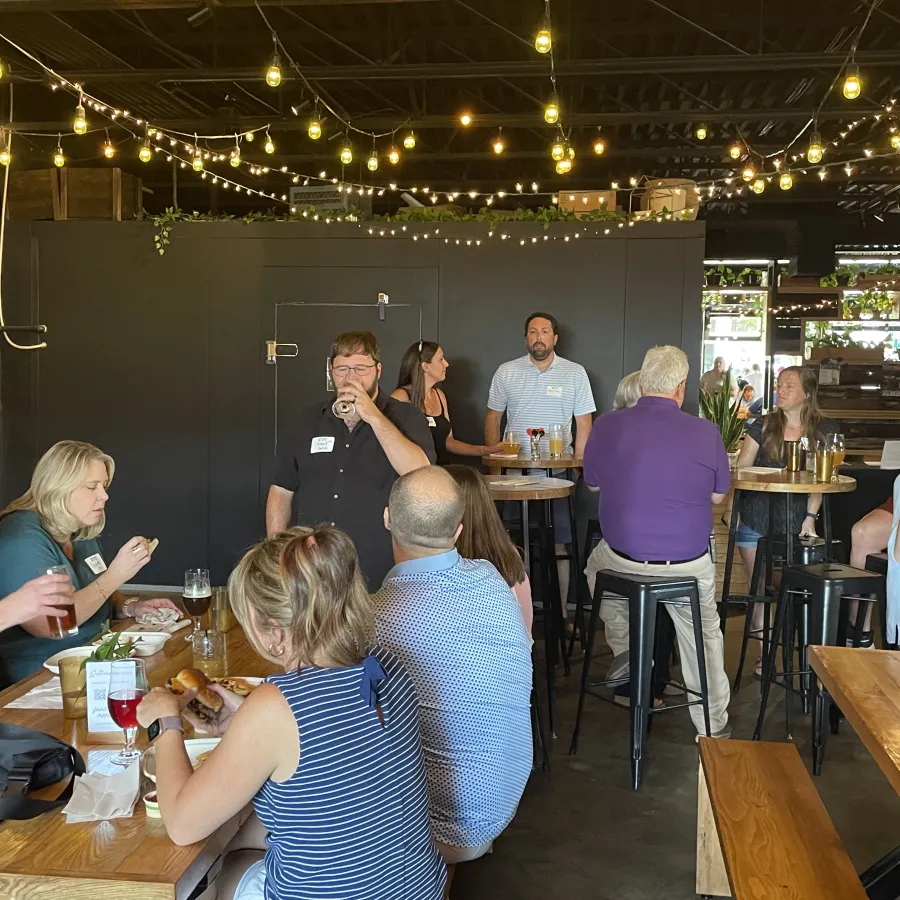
(545, 216)
(869, 304)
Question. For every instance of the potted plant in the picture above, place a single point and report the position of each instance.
(750, 278)
(869, 305)
(712, 278)
(721, 411)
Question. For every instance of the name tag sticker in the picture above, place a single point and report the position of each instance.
(431, 422)
(554, 391)
(321, 445)
(95, 563)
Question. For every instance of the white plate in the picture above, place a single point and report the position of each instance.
(134, 635)
(194, 747)
(52, 664)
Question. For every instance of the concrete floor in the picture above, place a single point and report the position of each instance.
(581, 832)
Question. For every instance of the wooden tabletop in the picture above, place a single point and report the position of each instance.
(539, 488)
(501, 460)
(784, 482)
(120, 859)
(865, 684)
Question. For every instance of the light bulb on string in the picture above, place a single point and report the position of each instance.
(4, 69)
(269, 146)
(197, 162)
(59, 160)
(543, 40)
(558, 149)
(551, 110)
(109, 148)
(145, 154)
(701, 132)
(816, 151)
(372, 161)
(465, 119)
(5, 155)
(564, 166)
(273, 73)
(79, 123)
(599, 146)
(895, 140)
(736, 151)
(346, 154)
(749, 173)
(852, 83)
(570, 151)
(409, 142)
(393, 155)
(786, 182)
(250, 136)
(235, 160)
(499, 145)
(315, 127)
(758, 186)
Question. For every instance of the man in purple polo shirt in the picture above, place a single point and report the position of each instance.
(659, 471)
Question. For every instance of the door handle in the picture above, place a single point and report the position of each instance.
(273, 349)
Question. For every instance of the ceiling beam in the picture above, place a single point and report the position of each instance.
(671, 65)
(491, 120)
(86, 5)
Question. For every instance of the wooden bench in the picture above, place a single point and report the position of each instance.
(762, 831)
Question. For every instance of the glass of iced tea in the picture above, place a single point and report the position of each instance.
(66, 624)
(555, 438)
(127, 687)
(511, 443)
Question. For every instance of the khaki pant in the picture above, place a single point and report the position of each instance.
(614, 612)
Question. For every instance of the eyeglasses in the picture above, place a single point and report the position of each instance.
(357, 370)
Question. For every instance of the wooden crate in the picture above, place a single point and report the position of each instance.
(33, 194)
(98, 194)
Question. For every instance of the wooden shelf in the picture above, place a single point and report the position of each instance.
(884, 414)
(810, 289)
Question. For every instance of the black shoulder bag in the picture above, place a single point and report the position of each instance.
(30, 760)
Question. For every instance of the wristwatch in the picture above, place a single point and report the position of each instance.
(166, 723)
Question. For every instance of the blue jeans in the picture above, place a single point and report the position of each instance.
(745, 536)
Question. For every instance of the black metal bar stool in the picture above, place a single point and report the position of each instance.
(807, 551)
(645, 594)
(824, 587)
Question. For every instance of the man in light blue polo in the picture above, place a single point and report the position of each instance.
(538, 390)
(456, 626)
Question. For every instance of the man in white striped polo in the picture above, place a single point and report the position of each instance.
(538, 390)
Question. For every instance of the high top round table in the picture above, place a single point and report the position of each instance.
(772, 482)
(524, 489)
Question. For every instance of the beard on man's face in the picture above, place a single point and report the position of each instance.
(539, 350)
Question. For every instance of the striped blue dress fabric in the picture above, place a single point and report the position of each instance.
(535, 399)
(457, 627)
(351, 823)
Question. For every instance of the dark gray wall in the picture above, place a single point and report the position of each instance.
(160, 360)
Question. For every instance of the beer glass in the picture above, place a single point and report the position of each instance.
(824, 460)
(197, 596)
(555, 438)
(66, 624)
(511, 443)
(839, 447)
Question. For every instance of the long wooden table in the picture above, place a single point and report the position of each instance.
(120, 859)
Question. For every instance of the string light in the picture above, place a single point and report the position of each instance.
(59, 159)
(393, 155)
(4, 69)
(599, 146)
(558, 149)
(372, 161)
(465, 119)
(543, 40)
(758, 186)
(852, 83)
(5, 155)
(197, 161)
(346, 154)
(895, 140)
(249, 136)
(815, 152)
(786, 182)
(736, 151)
(109, 149)
(749, 173)
(564, 166)
(315, 126)
(273, 73)
(269, 146)
(145, 154)
(701, 132)
(235, 159)
(499, 144)
(79, 123)
(409, 142)
(551, 110)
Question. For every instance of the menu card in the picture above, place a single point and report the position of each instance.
(102, 679)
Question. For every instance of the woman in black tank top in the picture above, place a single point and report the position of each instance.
(422, 369)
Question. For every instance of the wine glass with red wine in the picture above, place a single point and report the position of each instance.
(196, 597)
(127, 687)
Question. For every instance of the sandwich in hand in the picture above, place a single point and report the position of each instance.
(207, 703)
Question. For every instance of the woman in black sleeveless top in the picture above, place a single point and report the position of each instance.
(422, 369)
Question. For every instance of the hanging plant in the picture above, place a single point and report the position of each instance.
(868, 305)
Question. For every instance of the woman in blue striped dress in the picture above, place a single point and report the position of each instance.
(328, 751)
